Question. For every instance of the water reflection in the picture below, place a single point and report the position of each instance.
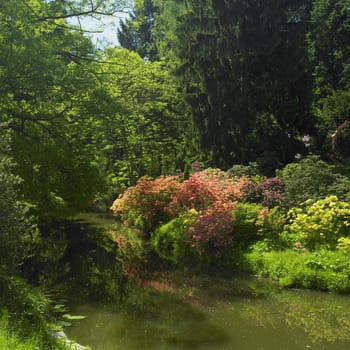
(322, 317)
(218, 314)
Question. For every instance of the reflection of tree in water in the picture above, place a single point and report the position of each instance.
(322, 317)
(75, 258)
(215, 313)
(179, 323)
(151, 320)
(179, 316)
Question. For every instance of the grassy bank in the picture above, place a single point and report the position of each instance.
(320, 270)
(12, 339)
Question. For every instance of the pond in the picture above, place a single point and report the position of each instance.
(179, 311)
(216, 313)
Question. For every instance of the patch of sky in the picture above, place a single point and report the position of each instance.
(102, 30)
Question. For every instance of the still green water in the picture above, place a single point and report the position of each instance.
(217, 313)
(204, 313)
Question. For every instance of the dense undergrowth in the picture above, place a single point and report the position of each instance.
(27, 317)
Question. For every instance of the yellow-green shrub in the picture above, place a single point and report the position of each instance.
(344, 244)
(319, 224)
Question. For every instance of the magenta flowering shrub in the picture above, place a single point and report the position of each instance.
(268, 193)
(213, 195)
(212, 231)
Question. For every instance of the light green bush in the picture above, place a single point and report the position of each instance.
(271, 223)
(246, 223)
(11, 339)
(320, 224)
(344, 244)
(323, 270)
(169, 240)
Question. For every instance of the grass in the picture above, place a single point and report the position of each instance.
(320, 270)
(11, 340)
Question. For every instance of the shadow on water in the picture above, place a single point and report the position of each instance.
(76, 258)
(157, 321)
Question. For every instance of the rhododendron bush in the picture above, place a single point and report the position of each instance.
(268, 192)
(210, 193)
(212, 232)
(203, 189)
(144, 204)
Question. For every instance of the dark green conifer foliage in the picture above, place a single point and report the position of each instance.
(329, 50)
(245, 67)
(135, 33)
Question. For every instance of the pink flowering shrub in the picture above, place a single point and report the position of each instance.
(203, 189)
(212, 232)
(214, 196)
(143, 205)
(210, 195)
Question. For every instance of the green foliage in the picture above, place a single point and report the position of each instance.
(224, 51)
(17, 229)
(47, 78)
(10, 339)
(324, 270)
(329, 53)
(340, 141)
(170, 239)
(312, 178)
(247, 218)
(30, 311)
(320, 224)
(238, 170)
(135, 33)
(146, 127)
(26, 305)
(328, 47)
(344, 244)
(133, 253)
